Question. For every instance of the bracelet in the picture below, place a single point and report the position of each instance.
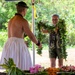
(38, 43)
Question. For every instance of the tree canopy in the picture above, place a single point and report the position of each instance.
(44, 10)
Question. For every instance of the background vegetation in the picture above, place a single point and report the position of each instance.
(44, 10)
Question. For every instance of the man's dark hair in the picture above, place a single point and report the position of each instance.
(55, 15)
(21, 6)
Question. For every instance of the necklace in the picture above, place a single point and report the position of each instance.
(18, 14)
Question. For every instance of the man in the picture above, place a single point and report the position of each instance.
(15, 46)
(55, 43)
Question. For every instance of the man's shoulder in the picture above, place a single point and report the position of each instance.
(23, 19)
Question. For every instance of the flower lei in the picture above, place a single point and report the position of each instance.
(62, 29)
(41, 25)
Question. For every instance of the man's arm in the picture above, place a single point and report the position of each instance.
(45, 31)
(29, 33)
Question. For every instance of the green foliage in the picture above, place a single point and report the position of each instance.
(29, 44)
(45, 9)
(62, 29)
(6, 13)
(40, 35)
(71, 37)
(65, 9)
(3, 37)
(11, 69)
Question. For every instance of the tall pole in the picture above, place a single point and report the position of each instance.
(33, 26)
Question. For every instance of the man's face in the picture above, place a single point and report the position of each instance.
(25, 10)
(55, 20)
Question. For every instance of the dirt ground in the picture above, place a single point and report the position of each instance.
(45, 62)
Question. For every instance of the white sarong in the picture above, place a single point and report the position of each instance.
(16, 48)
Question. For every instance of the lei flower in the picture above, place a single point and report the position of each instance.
(36, 69)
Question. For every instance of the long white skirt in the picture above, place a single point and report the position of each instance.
(16, 48)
